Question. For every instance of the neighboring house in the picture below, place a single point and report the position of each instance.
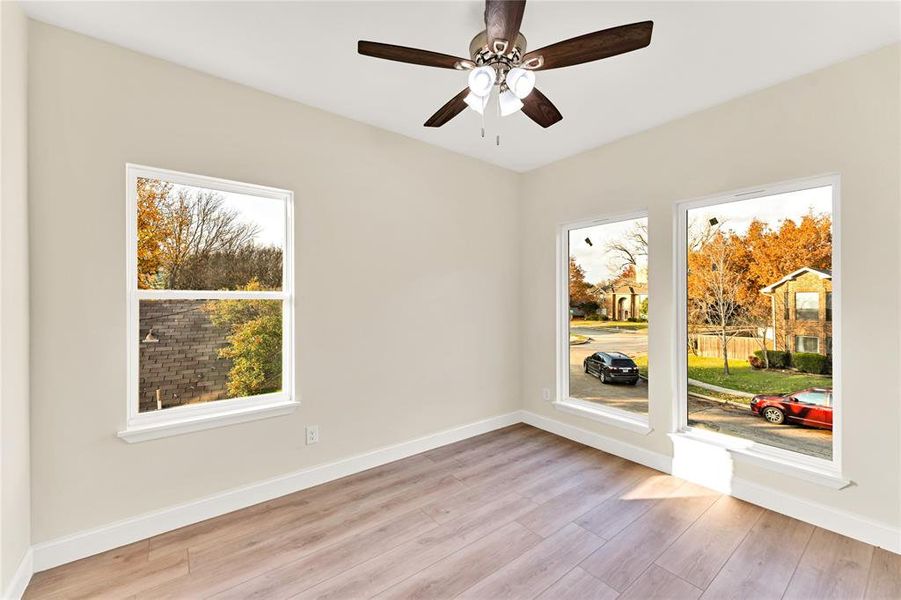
(802, 311)
(623, 299)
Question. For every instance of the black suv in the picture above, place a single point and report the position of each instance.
(611, 366)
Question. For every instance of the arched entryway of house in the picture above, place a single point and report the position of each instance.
(622, 310)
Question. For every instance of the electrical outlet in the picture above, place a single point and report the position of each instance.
(546, 394)
(312, 434)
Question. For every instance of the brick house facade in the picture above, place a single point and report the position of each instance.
(802, 311)
(180, 361)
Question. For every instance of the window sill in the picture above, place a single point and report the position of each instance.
(813, 470)
(606, 415)
(180, 424)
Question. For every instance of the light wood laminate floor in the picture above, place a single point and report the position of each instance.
(516, 513)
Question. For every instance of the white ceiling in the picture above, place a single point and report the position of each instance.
(702, 54)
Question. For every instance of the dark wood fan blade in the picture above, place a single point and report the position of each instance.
(502, 21)
(541, 110)
(413, 56)
(592, 46)
(454, 107)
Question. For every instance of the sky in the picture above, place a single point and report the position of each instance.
(267, 214)
(733, 216)
(594, 259)
(737, 216)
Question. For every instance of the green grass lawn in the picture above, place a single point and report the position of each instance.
(575, 339)
(604, 324)
(744, 378)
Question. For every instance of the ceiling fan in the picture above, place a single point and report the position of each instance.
(499, 60)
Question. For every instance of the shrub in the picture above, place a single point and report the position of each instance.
(777, 358)
(809, 362)
(756, 362)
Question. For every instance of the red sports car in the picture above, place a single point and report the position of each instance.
(812, 407)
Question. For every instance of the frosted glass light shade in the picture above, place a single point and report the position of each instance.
(476, 103)
(520, 81)
(509, 103)
(481, 80)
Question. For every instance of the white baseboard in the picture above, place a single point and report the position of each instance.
(631, 452)
(87, 543)
(16, 587)
(854, 526)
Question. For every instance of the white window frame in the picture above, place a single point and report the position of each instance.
(809, 468)
(635, 422)
(194, 417)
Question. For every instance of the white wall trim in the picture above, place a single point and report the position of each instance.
(599, 441)
(883, 535)
(16, 588)
(87, 543)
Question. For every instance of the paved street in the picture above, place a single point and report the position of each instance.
(740, 422)
(713, 416)
(633, 398)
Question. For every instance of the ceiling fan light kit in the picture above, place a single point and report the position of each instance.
(508, 103)
(498, 60)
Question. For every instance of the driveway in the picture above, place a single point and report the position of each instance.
(704, 414)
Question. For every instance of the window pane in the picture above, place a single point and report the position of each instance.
(816, 398)
(807, 306)
(192, 238)
(805, 343)
(608, 311)
(194, 351)
(747, 262)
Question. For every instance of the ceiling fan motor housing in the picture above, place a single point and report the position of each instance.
(483, 55)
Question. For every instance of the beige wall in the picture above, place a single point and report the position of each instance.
(407, 282)
(841, 119)
(15, 503)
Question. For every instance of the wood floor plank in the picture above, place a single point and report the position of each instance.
(578, 584)
(298, 575)
(699, 553)
(624, 558)
(884, 581)
(539, 568)
(290, 510)
(294, 568)
(466, 567)
(476, 448)
(596, 486)
(659, 584)
(619, 511)
(103, 564)
(508, 464)
(390, 568)
(320, 531)
(124, 581)
(762, 565)
(832, 567)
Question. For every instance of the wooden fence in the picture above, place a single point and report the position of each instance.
(738, 347)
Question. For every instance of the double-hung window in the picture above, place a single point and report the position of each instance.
(210, 291)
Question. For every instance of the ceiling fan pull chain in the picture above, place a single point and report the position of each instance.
(497, 141)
